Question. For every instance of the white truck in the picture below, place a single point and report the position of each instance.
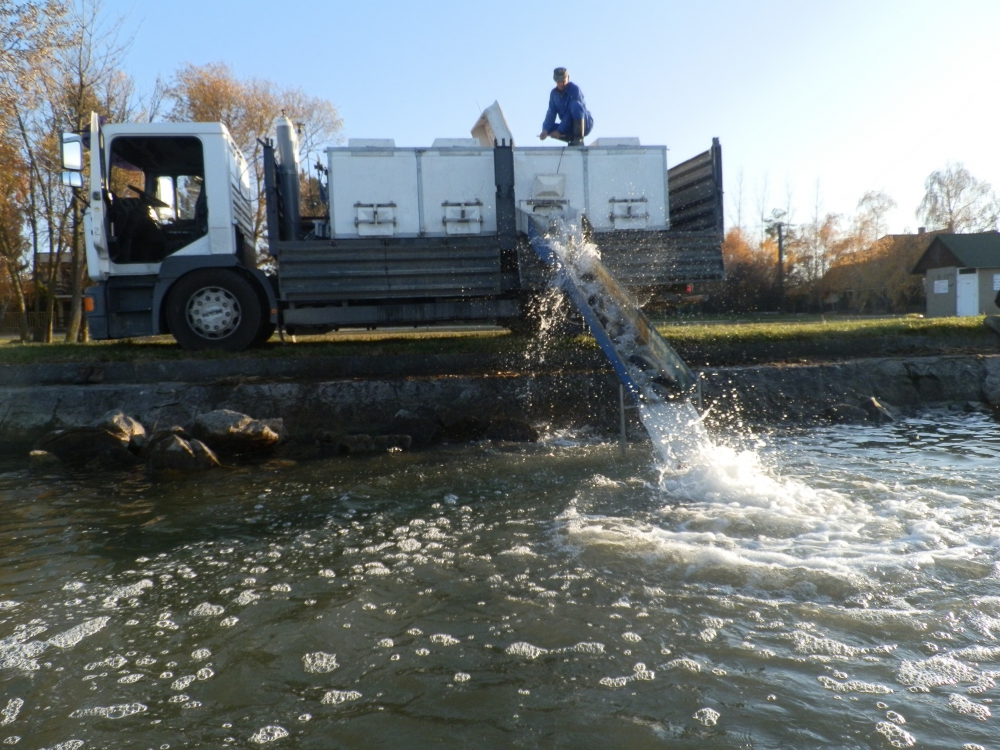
(410, 236)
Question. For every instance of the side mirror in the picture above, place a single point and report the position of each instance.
(72, 179)
(72, 152)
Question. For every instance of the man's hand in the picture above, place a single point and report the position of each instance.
(543, 136)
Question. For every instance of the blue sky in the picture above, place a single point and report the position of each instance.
(856, 95)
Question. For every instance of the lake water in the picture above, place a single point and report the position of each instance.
(834, 587)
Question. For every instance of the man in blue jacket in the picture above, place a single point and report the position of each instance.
(566, 103)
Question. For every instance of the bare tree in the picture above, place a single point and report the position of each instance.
(957, 201)
(873, 207)
(213, 93)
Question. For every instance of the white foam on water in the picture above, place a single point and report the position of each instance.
(319, 662)
(13, 708)
(74, 635)
(963, 705)
(207, 610)
(708, 717)
(120, 711)
(443, 639)
(897, 736)
(525, 650)
(336, 697)
(936, 671)
(269, 733)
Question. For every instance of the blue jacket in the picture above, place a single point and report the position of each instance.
(567, 105)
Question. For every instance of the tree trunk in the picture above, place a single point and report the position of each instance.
(76, 305)
(15, 280)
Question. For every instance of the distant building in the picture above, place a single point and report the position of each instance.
(961, 274)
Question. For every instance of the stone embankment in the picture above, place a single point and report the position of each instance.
(344, 405)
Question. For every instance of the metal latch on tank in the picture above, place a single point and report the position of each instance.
(463, 217)
(629, 213)
(375, 219)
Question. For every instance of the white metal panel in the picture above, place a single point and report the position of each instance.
(967, 290)
(369, 177)
(451, 178)
(529, 163)
(627, 188)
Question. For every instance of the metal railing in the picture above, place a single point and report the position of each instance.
(11, 321)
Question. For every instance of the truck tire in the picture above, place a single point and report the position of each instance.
(214, 309)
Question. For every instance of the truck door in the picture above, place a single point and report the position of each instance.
(696, 193)
(98, 190)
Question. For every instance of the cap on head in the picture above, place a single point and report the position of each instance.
(560, 75)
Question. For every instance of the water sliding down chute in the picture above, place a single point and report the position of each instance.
(646, 364)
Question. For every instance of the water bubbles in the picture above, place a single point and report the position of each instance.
(228, 622)
(462, 677)
(74, 635)
(706, 717)
(336, 697)
(631, 637)
(111, 712)
(305, 717)
(130, 679)
(422, 652)
(640, 672)
(853, 686)
(587, 648)
(207, 610)
(9, 714)
(895, 718)
(689, 665)
(897, 736)
(182, 683)
(525, 650)
(921, 676)
(205, 673)
(246, 597)
(414, 631)
(319, 662)
(614, 682)
(385, 643)
(451, 499)
(327, 573)
(269, 733)
(200, 654)
(409, 545)
(963, 705)
(281, 588)
(443, 639)
(707, 635)
(12, 740)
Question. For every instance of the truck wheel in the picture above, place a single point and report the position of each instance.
(214, 309)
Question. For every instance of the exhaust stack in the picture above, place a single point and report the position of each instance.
(288, 176)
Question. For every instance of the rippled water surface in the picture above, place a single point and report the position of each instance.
(837, 587)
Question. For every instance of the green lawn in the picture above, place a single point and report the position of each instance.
(498, 341)
(790, 329)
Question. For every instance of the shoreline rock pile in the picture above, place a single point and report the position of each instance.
(118, 441)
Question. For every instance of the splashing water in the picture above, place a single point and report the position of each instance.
(674, 425)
